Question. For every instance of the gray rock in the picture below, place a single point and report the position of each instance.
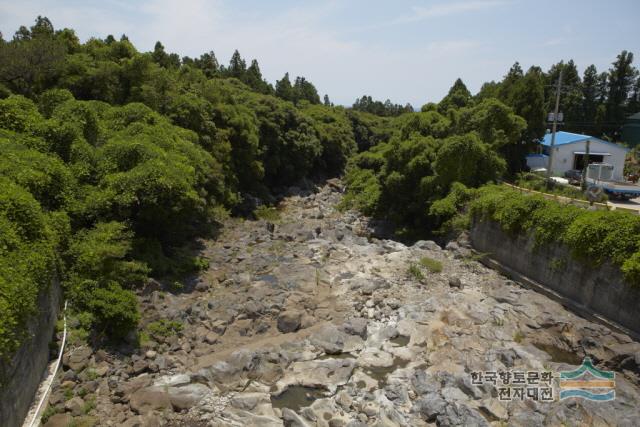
(494, 410)
(202, 286)
(289, 321)
(430, 406)
(455, 282)
(75, 405)
(139, 366)
(460, 414)
(248, 401)
(329, 339)
(59, 420)
(356, 326)
(187, 396)
(507, 357)
(253, 309)
(173, 380)
(211, 338)
(464, 384)
(424, 383)
(291, 419)
(427, 245)
(326, 374)
(78, 358)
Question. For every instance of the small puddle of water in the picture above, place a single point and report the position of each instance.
(336, 356)
(400, 340)
(269, 278)
(297, 397)
(380, 373)
(559, 355)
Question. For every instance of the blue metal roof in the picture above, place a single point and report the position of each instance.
(563, 138)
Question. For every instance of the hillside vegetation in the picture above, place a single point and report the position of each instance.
(594, 237)
(113, 160)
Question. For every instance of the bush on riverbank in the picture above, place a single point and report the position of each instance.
(593, 237)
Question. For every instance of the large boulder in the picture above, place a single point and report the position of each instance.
(329, 339)
(59, 420)
(356, 326)
(78, 358)
(75, 405)
(429, 245)
(326, 374)
(187, 396)
(149, 399)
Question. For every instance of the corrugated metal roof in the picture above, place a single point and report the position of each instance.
(537, 155)
(563, 138)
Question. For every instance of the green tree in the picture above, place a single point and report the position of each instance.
(528, 103)
(510, 80)
(590, 95)
(571, 100)
(33, 60)
(255, 80)
(284, 89)
(237, 66)
(305, 90)
(208, 64)
(458, 97)
(621, 78)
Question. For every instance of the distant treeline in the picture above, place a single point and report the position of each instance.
(387, 108)
(596, 103)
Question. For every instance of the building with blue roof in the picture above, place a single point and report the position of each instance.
(570, 153)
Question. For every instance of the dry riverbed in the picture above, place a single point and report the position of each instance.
(309, 321)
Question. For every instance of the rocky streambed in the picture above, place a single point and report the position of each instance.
(307, 320)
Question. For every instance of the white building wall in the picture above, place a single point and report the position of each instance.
(564, 155)
(537, 162)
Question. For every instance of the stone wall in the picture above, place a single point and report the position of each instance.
(21, 377)
(600, 291)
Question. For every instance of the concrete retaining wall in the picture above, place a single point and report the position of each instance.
(601, 291)
(22, 376)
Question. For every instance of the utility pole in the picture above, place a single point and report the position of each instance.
(585, 167)
(555, 125)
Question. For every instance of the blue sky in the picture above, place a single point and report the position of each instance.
(407, 51)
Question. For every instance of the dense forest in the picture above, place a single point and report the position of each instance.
(466, 140)
(113, 160)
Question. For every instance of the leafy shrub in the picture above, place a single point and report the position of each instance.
(267, 213)
(101, 253)
(536, 182)
(415, 272)
(594, 237)
(114, 310)
(27, 261)
(164, 328)
(45, 176)
(433, 265)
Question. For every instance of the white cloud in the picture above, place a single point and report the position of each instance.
(446, 9)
